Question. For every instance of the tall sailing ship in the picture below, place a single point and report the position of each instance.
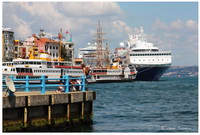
(101, 69)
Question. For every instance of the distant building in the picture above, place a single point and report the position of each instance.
(28, 43)
(53, 46)
(36, 45)
(19, 50)
(7, 44)
(69, 47)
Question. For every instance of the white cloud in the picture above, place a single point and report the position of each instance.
(52, 16)
(178, 24)
(159, 25)
(191, 24)
(22, 27)
(180, 37)
(91, 8)
(122, 26)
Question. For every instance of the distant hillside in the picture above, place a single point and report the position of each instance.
(180, 71)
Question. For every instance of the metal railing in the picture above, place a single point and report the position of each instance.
(45, 83)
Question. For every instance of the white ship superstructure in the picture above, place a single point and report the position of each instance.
(35, 68)
(115, 73)
(148, 59)
(90, 49)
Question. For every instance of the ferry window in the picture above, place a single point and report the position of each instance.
(31, 62)
(39, 63)
(44, 63)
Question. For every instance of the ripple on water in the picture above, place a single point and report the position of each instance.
(169, 105)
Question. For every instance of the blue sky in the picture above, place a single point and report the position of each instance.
(147, 12)
(169, 25)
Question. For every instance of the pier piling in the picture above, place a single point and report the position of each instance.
(28, 110)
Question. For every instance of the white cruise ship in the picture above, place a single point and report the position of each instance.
(150, 62)
(90, 49)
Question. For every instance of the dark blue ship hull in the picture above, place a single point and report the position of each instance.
(150, 73)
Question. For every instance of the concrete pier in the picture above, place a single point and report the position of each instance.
(28, 110)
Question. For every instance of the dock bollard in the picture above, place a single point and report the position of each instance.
(27, 84)
(43, 84)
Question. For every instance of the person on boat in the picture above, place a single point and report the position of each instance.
(78, 87)
(60, 89)
(72, 85)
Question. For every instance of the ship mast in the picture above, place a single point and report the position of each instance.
(99, 40)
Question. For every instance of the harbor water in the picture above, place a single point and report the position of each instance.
(168, 105)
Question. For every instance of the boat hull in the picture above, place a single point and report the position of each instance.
(110, 81)
(150, 73)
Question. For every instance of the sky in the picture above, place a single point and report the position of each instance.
(171, 26)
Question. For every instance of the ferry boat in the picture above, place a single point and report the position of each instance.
(150, 62)
(34, 68)
(115, 73)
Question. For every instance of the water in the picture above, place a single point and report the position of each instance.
(168, 105)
